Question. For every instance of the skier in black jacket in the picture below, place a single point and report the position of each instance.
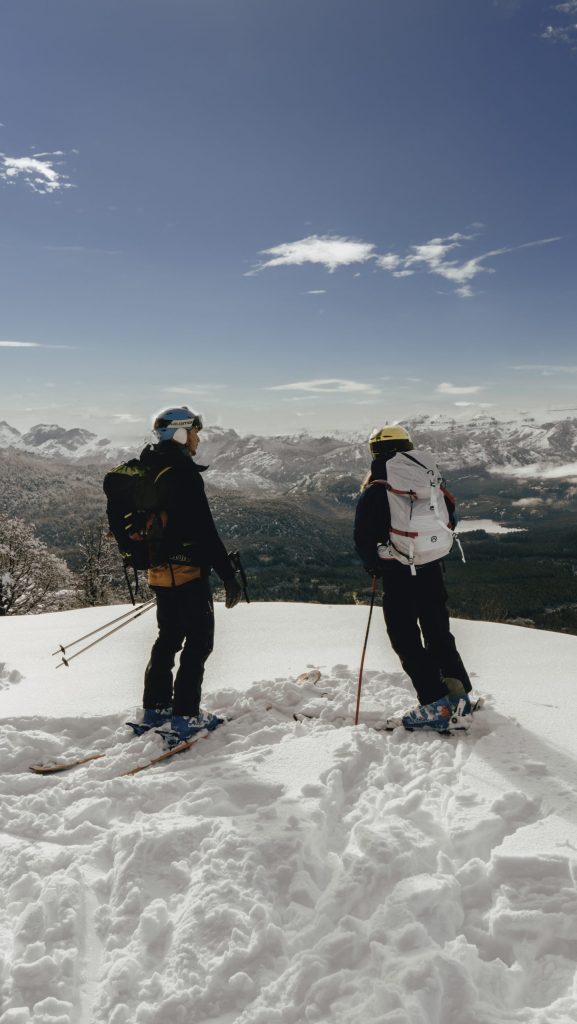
(191, 546)
(414, 597)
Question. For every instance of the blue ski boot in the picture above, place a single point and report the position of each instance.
(152, 718)
(444, 715)
(183, 727)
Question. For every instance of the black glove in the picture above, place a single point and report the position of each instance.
(374, 570)
(233, 592)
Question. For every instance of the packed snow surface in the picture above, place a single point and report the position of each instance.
(287, 871)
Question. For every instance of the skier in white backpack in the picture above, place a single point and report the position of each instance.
(403, 529)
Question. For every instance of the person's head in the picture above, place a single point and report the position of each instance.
(180, 425)
(389, 439)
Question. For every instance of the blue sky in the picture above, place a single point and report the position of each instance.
(289, 214)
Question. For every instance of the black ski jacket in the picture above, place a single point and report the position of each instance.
(373, 516)
(190, 535)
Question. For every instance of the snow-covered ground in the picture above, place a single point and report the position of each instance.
(487, 525)
(282, 871)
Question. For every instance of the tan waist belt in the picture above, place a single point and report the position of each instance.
(168, 575)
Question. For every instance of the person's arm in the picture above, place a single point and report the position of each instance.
(216, 553)
(372, 521)
(181, 493)
(451, 505)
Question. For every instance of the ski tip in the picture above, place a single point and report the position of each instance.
(51, 767)
(312, 677)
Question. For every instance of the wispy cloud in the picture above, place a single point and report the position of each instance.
(327, 386)
(437, 256)
(330, 251)
(563, 32)
(127, 417)
(546, 369)
(432, 258)
(317, 291)
(446, 388)
(193, 389)
(40, 172)
(31, 344)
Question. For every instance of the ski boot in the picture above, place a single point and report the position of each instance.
(152, 718)
(443, 715)
(184, 727)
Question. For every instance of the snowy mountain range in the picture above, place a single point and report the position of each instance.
(303, 462)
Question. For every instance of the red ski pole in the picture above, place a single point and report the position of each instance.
(373, 592)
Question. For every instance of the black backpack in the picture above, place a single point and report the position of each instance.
(134, 517)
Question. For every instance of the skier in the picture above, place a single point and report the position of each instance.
(403, 528)
(185, 613)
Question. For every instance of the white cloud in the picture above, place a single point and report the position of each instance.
(19, 344)
(30, 344)
(432, 256)
(437, 256)
(331, 251)
(390, 261)
(563, 33)
(446, 388)
(317, 291)
(546, 368)
(194, 389)
(326, 386)
(39, 175)
(127, 417)
(433, 253)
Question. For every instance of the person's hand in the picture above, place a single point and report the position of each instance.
(374, 570)
(233, 592)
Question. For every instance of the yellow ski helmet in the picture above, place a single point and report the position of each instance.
(391, 438)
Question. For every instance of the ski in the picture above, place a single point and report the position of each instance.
(179, 748)
(312, 677)
(377, 718)
(66, 764)
(51, 767)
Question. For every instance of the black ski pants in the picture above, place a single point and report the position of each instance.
(417, 621)
(185, 617)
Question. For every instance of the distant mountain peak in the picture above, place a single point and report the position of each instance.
(304, 463)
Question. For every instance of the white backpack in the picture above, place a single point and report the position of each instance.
(420, 530)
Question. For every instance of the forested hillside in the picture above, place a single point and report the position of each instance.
(298, 546)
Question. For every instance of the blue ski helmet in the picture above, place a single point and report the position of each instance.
(173, 424)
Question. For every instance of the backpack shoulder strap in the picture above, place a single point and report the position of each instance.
(162, 472)
(413, 459)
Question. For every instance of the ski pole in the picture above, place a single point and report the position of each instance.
(62, 648)
(238, 567)
(373, 592)
(66, 661)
